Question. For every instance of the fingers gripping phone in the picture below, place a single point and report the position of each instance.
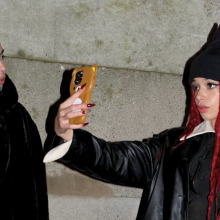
(80, 76)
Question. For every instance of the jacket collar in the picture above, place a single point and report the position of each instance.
(8, 100)
(8, 97)
(204, 127)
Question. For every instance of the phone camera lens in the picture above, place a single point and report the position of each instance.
(77, 82)
(78, 77)
(80, 73)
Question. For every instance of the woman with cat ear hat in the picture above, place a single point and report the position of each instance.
(178, 170)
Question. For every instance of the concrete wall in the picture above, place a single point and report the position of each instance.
(146, 35)
(133, 43)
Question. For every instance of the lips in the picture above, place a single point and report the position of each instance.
(202, 108)
(2, 80)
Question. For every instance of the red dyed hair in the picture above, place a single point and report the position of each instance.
(215, 177)
(194, 120)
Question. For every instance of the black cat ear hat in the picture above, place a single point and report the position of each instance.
(207, 64)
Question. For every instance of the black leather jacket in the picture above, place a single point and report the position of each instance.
(164, 179)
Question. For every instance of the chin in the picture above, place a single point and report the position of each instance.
(208, 117)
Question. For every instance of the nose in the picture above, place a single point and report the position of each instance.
(2, 67)
(200, 94)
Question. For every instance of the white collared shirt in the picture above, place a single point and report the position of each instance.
(57, 152)
(204, 127)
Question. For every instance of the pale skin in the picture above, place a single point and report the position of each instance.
(62, 126)
(206, 98)
(2, 67)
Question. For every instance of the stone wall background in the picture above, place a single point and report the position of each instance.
(141, 49)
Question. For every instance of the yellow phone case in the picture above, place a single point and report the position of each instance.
(80, 76)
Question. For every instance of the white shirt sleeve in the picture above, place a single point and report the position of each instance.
(57, 152)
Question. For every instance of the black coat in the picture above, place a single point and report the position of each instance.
(23, 191)
(165, 180)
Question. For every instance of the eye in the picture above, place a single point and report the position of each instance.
(212, 85)
(2, 57)
(194, 87)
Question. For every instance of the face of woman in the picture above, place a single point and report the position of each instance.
(207, 98)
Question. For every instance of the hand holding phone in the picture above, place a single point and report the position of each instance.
(80, 76)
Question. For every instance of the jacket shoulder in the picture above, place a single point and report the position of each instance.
(20, 114)
(169, 136)
(172, 133)
(20, 109)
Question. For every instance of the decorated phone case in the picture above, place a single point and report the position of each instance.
(80, 76)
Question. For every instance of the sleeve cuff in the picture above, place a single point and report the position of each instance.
(59, 151)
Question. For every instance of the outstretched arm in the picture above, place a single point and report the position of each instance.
(125, 163)
(129, 163)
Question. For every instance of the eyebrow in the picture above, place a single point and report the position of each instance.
(204, 78)
(2, 52)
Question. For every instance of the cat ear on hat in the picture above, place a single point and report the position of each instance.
(207, 64)
(216, 37)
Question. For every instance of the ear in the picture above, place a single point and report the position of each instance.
(75, 71)
(94, 68)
